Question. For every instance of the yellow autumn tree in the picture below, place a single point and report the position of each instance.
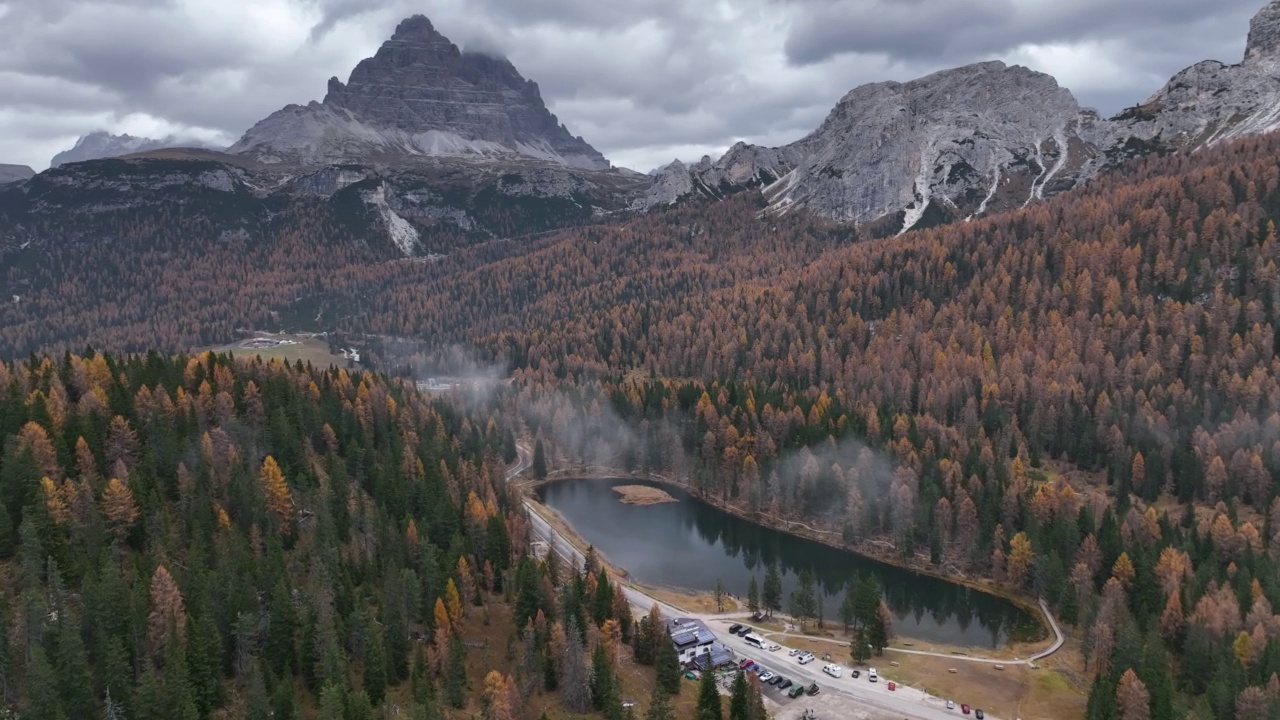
(441, 615)
(54, 502)
(276, 490)
(1123, 570)
(1018, 564)
(453, 604)
(119, 507)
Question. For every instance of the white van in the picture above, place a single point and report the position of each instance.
(806, 658)
(871, 675)
(832, 669)
(754, 640)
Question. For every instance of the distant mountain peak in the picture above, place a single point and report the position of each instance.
(1264, 34)
(419, 94)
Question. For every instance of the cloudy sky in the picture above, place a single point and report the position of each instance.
(644, 81)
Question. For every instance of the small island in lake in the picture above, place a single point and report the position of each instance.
(642, 495)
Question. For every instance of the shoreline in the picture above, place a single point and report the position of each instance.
(1027, 605)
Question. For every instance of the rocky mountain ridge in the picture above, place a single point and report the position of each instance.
(101, 144)
(14, 173)
(983, 138)
(420, 95)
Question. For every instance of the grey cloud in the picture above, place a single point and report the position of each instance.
(639, 80)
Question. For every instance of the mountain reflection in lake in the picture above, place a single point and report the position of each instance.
(689, 544)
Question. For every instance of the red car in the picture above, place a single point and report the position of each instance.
(964, 708)
(893, 685)
(743, 665)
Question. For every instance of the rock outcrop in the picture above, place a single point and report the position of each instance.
(420, 95)
(101, 144)
(1206, 103)
(14, 173)
(984, 138)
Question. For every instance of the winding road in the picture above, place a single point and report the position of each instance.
(905, 702)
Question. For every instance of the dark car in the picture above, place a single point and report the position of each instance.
(743, 631)
(784, 684)
(978, 713)
(813, 689)
(796, 691)
(776, 679)
(734, 628)
(855, 672)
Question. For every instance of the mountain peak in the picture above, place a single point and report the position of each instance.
(415, 28)
(1264, 33)
(420, 95)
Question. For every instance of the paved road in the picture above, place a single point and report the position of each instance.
(907, 703)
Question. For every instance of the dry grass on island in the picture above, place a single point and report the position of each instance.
(643, 495)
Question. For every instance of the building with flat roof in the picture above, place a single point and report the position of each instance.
(691, 638)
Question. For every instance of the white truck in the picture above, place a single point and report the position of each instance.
(832, 669)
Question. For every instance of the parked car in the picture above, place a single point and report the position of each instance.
(794, 652)
(951, 705)
(978, 713)
(751, 667)
(796, 691)
(742, 631)
(893, 685)
(964, 708)
(872, 676)
(691, 675)
(784, 683)
(745, 662)
(773, 647)
(734, 628)
(855, 673)
(776, 680)
(766, 676)
(806, 658)
(832, 669)
(813, 689)
(628, 703)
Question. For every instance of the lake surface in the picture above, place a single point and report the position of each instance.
(689, 544)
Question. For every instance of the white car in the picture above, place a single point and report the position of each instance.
(794, 652)
(773, 647)
(806, 658)
(872, 676)
(951, 705)
(764, 676)
(833, 670)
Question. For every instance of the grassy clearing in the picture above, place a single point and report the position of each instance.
(1015, 692)
(307, 349)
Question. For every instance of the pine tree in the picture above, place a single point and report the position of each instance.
(772, 597)
(375, 678)
(719, 595)
(575, 677)
(659, 706)
(75, 680)
(539, 460)
(604, 693)
(455, 674)
(753, 596)
(708, 697)
(43, 701)
(739, 701)
(667, 661)
(642, 642)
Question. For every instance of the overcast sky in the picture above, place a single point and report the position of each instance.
(644, 81)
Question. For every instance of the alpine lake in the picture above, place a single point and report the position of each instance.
(690, 545)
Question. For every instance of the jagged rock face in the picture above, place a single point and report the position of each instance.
(960, 138)
(743, 167)
(420, 95)
(14, 173)
(100, 145)
(1207, 103)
